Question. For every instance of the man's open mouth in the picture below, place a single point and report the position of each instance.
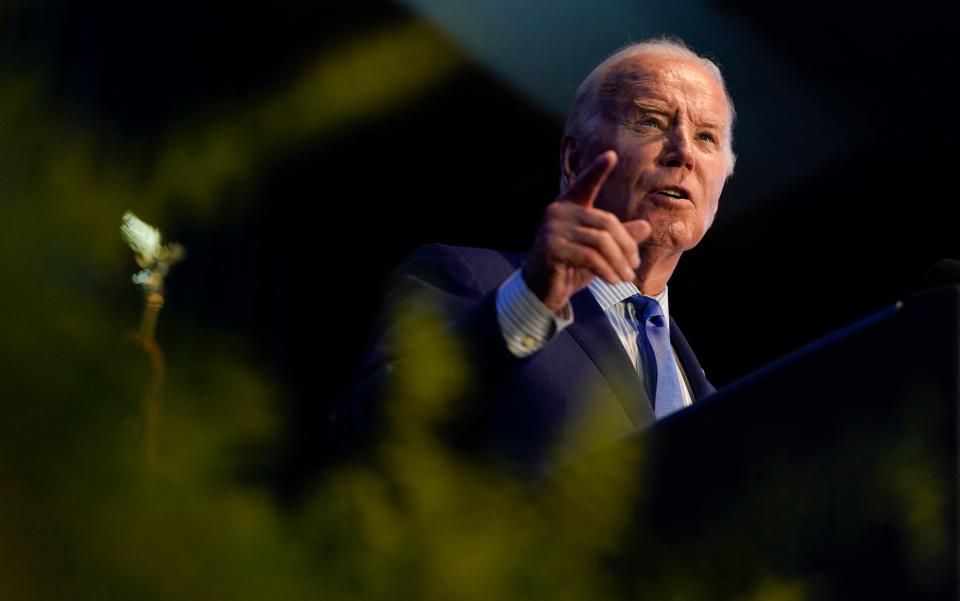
(673, 192)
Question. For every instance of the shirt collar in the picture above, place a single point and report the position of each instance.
(608, 295)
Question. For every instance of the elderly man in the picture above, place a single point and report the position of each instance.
(570, 346)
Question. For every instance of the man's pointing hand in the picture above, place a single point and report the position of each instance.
(577, 242)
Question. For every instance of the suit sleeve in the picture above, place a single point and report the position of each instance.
(440, 279)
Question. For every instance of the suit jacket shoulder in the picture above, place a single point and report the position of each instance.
(535, 412)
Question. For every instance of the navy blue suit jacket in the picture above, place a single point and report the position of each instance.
(578, 393)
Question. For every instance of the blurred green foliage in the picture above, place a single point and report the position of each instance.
(80, 515)
(82, 518)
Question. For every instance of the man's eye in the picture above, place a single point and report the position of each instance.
(647, 123)
(707, 137)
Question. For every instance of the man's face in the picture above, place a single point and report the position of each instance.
(667, 121)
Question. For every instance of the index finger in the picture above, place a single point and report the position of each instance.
(584, 189)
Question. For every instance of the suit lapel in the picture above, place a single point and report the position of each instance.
(698, 380)
(592, 330)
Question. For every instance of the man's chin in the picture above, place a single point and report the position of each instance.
(672, 235)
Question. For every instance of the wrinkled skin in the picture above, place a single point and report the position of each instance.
(663, 125)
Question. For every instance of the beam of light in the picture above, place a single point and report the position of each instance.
(544, 48)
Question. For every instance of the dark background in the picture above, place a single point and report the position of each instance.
(838, 205)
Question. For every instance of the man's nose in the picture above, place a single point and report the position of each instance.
(677, 149)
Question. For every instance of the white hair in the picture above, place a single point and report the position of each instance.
(585, 112)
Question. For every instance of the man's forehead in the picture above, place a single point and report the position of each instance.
(662, 80)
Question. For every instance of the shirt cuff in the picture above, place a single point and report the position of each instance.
(525, 322)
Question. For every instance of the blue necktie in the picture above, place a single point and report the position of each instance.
(653, 340)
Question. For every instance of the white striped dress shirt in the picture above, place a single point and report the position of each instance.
(527, 324)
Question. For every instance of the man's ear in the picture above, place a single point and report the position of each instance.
(570, 157)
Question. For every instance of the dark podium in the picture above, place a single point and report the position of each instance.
(831, 474)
